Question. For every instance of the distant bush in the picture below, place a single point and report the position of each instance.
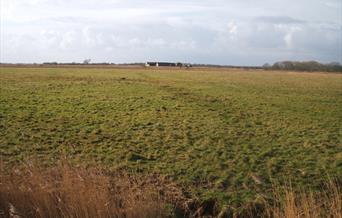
(305, 66)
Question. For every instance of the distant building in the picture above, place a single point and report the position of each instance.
(160, 64)
(166, 64)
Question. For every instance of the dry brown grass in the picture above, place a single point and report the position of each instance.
(64, 191)
(288, 203)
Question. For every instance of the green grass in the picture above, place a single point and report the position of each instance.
(209, 130)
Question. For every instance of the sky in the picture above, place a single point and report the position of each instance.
(227, 32)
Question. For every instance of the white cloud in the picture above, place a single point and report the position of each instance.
(288, 38)
(216, 31)
(232, 27)
(68, 39)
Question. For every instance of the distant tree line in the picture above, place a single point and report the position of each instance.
(304, 66)
(77, 63)
(309, 66)
(226, 66)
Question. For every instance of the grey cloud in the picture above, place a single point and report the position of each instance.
(279, 20)
(68, 19)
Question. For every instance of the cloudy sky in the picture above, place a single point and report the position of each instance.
(236, 32)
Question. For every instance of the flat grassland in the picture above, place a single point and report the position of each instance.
(221, 133)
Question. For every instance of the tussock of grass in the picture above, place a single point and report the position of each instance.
(307, 204)
(66, 191)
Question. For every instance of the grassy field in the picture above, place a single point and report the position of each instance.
(221, 134)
